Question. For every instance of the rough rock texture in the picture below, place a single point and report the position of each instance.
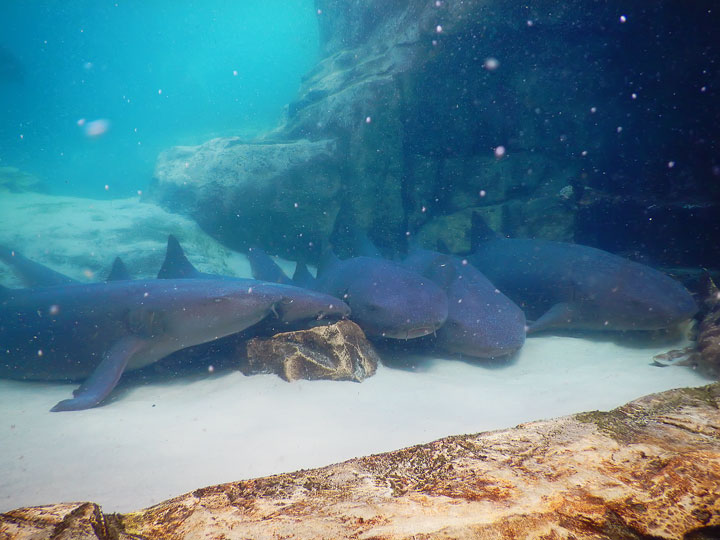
(647, 470)
(238, 190)
(339, 352)
(416, 96)
(81, 237)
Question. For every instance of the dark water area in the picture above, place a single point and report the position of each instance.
(149, 74)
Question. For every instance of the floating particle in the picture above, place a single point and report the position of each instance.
(81, 122)
(593, 110)
(633, 95)
(438, 3)
(40, 353)
(235, 72)
(483, 192)
(107, 187)
(159, 91)
(530, 22)
(96, 128)
(499, 151)
(671, 164)
(295, 205)
(491, 64)
(368, 119)
(211, 369)
(619, 129)
(54, 309)
(438, 29)
(623, 19)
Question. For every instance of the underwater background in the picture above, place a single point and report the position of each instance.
(291, 126)
(158, 74)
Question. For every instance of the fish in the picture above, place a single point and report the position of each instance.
(482, 322)
(301, 301)
(386, 299)
(561, 285)
(96, 331)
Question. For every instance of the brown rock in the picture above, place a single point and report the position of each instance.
(649, 469)
(338, 352)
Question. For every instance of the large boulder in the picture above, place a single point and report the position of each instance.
(81, 237)
(280, 195)
(649, 469)
(429, 103)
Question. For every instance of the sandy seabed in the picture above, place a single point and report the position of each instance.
(154, 441)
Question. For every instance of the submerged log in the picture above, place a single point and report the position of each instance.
(649, 469)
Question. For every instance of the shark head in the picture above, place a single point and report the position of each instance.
(482, 322)
(390, 301)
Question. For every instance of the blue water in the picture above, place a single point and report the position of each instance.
(156, 74)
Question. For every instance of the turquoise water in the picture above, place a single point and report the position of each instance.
(159, 73)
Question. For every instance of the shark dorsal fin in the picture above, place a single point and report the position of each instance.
(302, 276)
(119, 271)
(176, 265)
(265, 269)
(364, 247)
(328, 259)
(480, 231)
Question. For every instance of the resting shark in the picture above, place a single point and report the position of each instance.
(64, 330)
(177, 266)
(571, 286)
(386, 299)
(96, 331)
(482, 322)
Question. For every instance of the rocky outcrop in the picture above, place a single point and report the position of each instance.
(283, 196)
(81, 237)
(649, 469)
(434, 108)
(338, 352)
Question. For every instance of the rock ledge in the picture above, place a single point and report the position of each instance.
(649, 469)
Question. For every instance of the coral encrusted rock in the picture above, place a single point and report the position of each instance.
(338, 352)
(647, 470)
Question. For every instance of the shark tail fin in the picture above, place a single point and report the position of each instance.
(119, 271)
(264, 268)
(32, 274)
(302, 276)
(480, 231)
(176, 265)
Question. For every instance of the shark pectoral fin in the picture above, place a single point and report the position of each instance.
(557, 316)
(105, 377)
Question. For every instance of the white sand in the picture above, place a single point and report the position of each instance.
(159, 440)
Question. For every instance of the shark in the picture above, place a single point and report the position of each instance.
(60, 329)
(386, 299)
(561, 285)
(482, 322)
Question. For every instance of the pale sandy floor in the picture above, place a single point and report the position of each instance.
(159, 440)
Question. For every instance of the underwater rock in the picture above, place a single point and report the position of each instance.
(283, 196)
(649, 469)
(14, 180)
(81, 237)
(338, 352)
